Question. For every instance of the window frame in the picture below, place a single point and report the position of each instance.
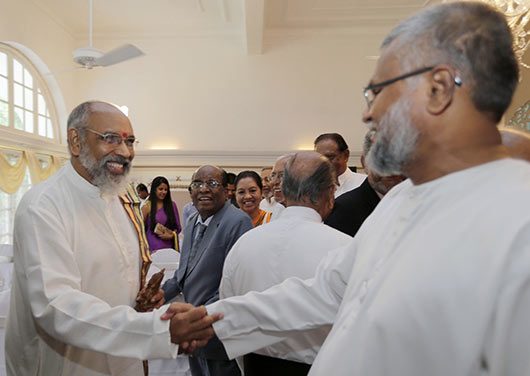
(38, 84)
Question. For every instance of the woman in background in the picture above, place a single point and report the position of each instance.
(248, 195)
(161, 232)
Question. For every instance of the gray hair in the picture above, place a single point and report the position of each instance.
(473, 38)
(311, 188)
(78, 118)
(368, 141)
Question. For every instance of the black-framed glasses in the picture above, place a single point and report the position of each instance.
(115, 139)
(371, 91)
(211, 183)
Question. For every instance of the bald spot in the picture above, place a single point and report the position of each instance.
(517, 143)
(209, 171)
(305, 163)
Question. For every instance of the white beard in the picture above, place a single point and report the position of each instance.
(395, 140)
(108, 183)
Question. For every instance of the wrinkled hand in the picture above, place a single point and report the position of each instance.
(190, 327)
(158, 299)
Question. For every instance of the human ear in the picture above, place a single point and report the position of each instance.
(74, 141)
(441, 89)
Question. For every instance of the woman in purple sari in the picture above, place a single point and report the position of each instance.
(161, 232)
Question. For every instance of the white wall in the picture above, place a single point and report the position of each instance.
(26, 24)
(206, 98)
(207, 94)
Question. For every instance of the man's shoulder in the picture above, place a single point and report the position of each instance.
(354, 195)
(46, 191)
(234, 214)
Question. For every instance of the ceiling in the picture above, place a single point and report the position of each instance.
(250, 20)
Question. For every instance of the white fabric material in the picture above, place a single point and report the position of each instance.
(348, 180)
(445, 290)
(77, 273)
(165, 258)
(276, 211)
(266, 205)
(267, 255)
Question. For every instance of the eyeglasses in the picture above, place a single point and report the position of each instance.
(371, 91)
(213, 184)
(115, 139)
(278, 175)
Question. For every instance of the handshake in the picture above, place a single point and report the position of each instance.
(190, 327)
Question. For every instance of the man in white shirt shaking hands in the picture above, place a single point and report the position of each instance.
(80, 258)
(437, 280)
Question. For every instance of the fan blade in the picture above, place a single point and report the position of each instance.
(54, 73)
(122, 53)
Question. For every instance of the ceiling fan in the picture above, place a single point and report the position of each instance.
(90, 57)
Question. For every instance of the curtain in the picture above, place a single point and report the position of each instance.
(11, 176)
(39, 174)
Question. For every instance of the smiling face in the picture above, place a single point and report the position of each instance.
(104, 165)
(277, 179)
(248, 196)
(206, 199)
(161, 191)
(266, 181)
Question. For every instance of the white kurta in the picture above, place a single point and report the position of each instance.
(440, 285)
(77, 273)
(348, 180)
(266, 205)
(293, 245)
(277, 210)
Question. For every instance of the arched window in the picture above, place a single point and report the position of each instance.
(25, 102)
(27, 113)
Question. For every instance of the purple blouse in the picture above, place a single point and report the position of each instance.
(154, 241)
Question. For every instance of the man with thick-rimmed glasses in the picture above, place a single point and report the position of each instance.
(437, 280)
(208, 237)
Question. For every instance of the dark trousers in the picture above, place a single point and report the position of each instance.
(261, 365)
(211, 367)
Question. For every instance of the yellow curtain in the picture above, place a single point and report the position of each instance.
(11, 177)
(38, 174)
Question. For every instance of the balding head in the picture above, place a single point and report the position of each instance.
(101, 144)
(309, 180)
(517, 143)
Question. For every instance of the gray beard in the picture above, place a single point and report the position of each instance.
(108, 183)
(395, 141)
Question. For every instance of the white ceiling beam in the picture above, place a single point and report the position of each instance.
(254, 21)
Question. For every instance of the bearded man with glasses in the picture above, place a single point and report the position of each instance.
(80, 258)
(209, 235)
(437, 279)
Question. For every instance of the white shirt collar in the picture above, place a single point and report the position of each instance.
(206, 222)
(345, 175)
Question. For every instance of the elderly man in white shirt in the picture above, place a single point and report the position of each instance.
(276, 183)
(437, 280)
(80, 257)
(334, 147)
(293, 245)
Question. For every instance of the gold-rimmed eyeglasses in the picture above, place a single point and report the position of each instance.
(115, 139)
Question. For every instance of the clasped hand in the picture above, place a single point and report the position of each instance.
(190, 327)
